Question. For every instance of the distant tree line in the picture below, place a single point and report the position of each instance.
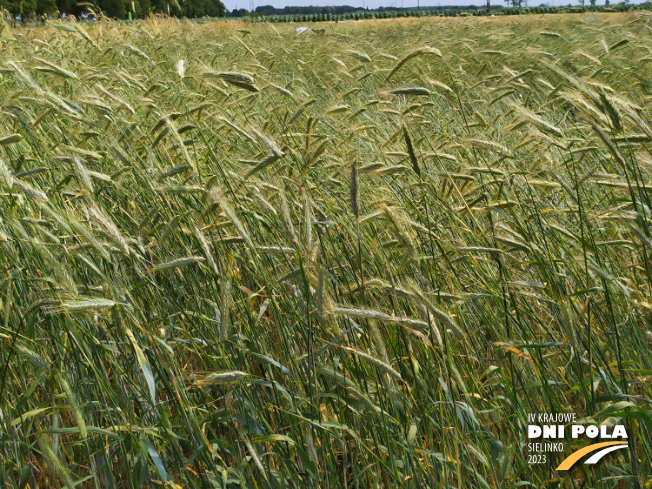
(321, 14)
(337, 10)
(119, 9)
(324, 12)
(342, 9)
(345, 12)
(195, 9)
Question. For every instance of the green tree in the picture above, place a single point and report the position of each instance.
(65, 6)
(115, 8)
(145, 8)
(22, 7)
(46, 6)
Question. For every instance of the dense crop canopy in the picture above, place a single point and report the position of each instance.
(353, 258)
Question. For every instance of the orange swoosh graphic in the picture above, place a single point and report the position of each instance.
(574, 457)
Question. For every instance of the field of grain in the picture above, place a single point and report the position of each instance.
(234, 256)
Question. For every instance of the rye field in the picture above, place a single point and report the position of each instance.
(232, 256)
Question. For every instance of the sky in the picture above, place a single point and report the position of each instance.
(232, 4)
